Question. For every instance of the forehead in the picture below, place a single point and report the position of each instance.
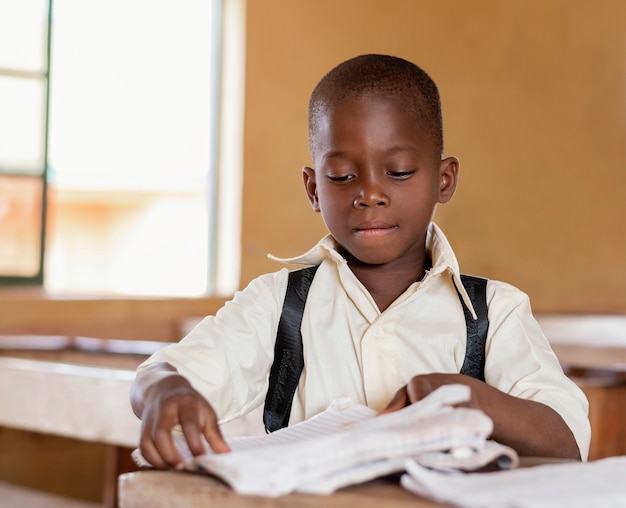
(367, 119)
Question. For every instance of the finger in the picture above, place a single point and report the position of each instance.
(399, 401)
(149, 452)
(190, 423)
(166, 448)
(418, 388)
(213, 435)
(158, 449)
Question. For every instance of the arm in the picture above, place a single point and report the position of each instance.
(536, 409)
(225, 359)
(162, 398)
(529, 427)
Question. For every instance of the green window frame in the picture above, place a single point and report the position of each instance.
(18, 79)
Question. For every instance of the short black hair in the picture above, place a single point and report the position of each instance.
(385, 76)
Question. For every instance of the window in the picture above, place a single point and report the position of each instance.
(131, 153)
(23, 119)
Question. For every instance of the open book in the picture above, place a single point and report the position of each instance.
(348, 443)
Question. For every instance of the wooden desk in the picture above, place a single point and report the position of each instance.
(592, 351)
(71, 394)
(171, 489)
(600, 371)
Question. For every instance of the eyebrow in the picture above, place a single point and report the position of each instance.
(389, 151)
(400, 148)
(334, 154)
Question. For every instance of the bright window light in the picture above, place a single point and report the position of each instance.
(132, 154)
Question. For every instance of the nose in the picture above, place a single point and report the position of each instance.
(370, 194)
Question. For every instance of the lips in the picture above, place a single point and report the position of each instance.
(374, 225)
(374, 229)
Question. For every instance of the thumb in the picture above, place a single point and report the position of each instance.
(400, 400)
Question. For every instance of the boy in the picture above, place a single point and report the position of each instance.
(383, 322)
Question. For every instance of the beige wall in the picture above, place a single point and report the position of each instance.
(534, 104)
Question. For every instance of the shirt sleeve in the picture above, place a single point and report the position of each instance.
(520, 361)
(227, 357)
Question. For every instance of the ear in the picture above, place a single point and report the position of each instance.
(448, 178)
(310, 185)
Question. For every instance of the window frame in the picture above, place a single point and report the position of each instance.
(44, 75)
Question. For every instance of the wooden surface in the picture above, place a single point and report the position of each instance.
(169, 489)
(30, 312)
(607, 414)
(601, 374)
(589, 358)
(14, 496)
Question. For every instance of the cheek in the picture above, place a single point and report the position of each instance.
(328, 200)
(333, 211)
(328, 211)
(422, 195)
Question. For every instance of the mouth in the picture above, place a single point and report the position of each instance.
(374, 229)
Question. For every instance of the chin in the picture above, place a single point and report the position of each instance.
(370, 258)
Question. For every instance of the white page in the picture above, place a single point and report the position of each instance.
(597, 484)
(348, 443)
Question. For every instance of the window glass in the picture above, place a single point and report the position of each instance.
(23, 30)
(20, 225)
(131, 147)
(131, 101)
(22, 124)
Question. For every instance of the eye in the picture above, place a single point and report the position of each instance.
(400, 175)
(340, 178)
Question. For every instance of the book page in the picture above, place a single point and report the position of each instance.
(567, 485)
(349, 443)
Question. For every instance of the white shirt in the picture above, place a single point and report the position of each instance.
(353, 349)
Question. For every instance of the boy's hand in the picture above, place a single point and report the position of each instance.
(173, 401)
(515, 419)
(420, 386)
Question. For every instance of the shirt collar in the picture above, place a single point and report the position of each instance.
(437, 245)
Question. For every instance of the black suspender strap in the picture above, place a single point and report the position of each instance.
(289, 357)
(288, 353)
(474, 363)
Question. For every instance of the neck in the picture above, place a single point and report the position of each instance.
(386, 282)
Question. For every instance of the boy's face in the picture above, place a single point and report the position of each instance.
(377, 179)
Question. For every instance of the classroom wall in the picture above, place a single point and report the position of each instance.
(534, 106)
